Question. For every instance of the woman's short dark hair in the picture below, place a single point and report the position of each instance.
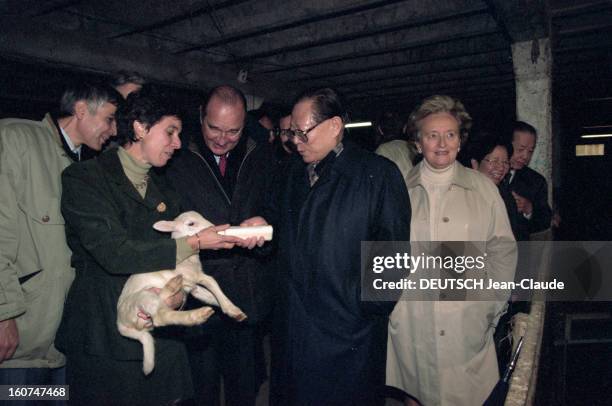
(147, 106)
(485, 143)
(326, 103)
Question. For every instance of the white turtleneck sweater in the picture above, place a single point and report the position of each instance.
(436, 182)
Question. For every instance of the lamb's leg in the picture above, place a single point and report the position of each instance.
(171, 287)
(204, 295)
(148, 345)
(226, 305)
(166, 316)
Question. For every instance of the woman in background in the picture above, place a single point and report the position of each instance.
(491, 156)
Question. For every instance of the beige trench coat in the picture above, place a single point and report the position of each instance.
(400, 153)
(35, 271)
(442, 352)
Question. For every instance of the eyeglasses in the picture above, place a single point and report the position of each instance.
(277, 132)
(497, 162)
(302, 135)
(217, 132)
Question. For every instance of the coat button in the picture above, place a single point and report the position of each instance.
(45, 219)
(442, 332)
(445, 219)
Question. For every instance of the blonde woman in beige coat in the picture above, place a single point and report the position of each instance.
(442, 352)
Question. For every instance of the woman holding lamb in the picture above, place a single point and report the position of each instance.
(110, 204)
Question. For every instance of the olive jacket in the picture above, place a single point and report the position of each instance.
(35, 271)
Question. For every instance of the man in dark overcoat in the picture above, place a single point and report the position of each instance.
(333, 198)
(225, 177)
(528, 187)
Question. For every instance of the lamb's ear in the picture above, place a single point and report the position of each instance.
(165, 226)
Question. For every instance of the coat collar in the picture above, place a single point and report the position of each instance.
(154, 199)
(461, 177)
(50, 123)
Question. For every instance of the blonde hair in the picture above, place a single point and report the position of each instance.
(440, 104)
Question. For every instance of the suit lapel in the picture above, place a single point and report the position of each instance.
(154, 198)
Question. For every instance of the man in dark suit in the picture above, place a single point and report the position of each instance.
(225, 176)
(529, 188)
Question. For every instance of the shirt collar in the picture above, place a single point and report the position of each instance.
(319, 166)
(73, 148)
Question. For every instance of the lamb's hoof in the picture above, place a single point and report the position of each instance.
(236, 314)
(202, 314)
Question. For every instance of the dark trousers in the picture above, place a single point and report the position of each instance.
(101, 381)
(229, 350)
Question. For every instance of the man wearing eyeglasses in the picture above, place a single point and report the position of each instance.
(225, 176)
(331, 345)
(528, 187)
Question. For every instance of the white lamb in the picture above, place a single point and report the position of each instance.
(136, 295)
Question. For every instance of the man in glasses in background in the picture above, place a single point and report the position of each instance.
(529, 188)
(283, 147)
(331, 345)
(225, 176)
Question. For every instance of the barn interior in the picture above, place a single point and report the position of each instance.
(544, 61)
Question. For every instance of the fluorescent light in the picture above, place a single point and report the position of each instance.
(597, 136)
(590, 150)
(361, 124)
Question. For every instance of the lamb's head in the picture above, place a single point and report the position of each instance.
(185, 224)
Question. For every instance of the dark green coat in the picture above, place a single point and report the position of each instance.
(109, 229)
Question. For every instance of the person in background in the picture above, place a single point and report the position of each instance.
(127, 82)
(35, 270)
(394, 146)
(332, 344)
(283, 147)
(259, 124)
(491, 156)
(442, 352)
(529, 188)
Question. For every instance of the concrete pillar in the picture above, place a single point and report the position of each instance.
(532, 62)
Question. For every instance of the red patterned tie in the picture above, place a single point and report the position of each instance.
(222, 164)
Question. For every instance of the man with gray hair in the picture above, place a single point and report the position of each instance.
(35, 270)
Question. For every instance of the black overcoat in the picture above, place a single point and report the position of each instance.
(531, 185)
(109, 229)
(332, 345)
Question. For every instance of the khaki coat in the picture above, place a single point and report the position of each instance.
(442, 352)
(400, 152)
(35, 271)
